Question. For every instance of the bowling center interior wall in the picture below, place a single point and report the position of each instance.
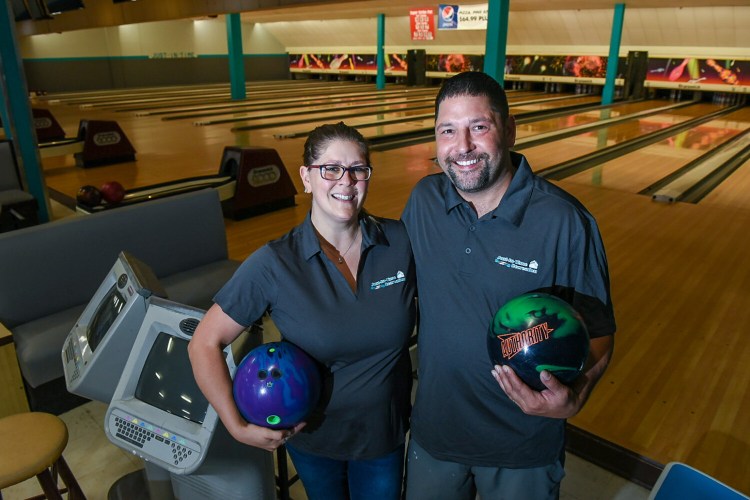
(195, 50)
(147, 54)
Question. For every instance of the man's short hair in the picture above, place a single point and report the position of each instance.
(474, 83)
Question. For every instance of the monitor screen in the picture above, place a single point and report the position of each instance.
(98, 345)
(166, 380)
(157, 410)
(105, 315)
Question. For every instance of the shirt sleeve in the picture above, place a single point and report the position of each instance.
(249, 293)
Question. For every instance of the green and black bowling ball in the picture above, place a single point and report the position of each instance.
(535, 332)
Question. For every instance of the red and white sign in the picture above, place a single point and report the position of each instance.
(422, 23)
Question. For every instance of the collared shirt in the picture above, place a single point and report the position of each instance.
(361, 338)
(539, 238)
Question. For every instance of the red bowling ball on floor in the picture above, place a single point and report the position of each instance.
(112, 192)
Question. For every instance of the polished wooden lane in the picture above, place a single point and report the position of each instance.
(547, 155)
(638, 170)
(733, 192)
(544, 105)
(394, 107)
(575, 119)
(677, 388)
(284, 101)
(119, 97)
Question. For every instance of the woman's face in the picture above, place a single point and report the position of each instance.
(336, 200)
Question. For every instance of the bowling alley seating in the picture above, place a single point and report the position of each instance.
(680, 481)
(32, 446)
(49, 272)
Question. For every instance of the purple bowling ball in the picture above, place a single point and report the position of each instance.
(276, 385)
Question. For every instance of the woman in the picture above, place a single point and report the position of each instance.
(341, 286)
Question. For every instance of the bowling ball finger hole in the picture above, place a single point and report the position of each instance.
(275, 373)
(262, 374)
(273, 419)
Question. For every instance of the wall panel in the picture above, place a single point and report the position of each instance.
(112, 73)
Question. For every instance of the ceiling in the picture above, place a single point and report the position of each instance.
(105, 13)
(371, 8)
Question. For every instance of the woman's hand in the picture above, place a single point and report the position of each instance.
(263, 437)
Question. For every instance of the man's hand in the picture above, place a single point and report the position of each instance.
(557, 400)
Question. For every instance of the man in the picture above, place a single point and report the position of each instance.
(477, 428)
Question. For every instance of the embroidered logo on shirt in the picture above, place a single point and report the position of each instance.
(510, 263)
(391, 280)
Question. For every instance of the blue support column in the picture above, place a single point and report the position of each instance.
(20, 123)
(236, 59)
(380, 78)
(608, 94)
(496, 39)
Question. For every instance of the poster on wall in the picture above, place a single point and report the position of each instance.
(462, 17)
(345, 62)
(699, 71)
(422, 23)
(572, 66)
(454, 63)
(323, 61)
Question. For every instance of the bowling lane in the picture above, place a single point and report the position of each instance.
(81, 96)
(261, 119)
(147, 102)
(121, 96)
(547, 155)
(157, 142)
(544, 105)
(530, 128)
(582, 118)
(303, 102)
(732, 193)
(423, 119)
(639, 169)
(252, 96)
(177, 108)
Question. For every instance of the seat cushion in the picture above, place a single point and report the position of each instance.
(32, 442)
(198, 286)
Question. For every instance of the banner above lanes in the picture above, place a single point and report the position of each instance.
(462, 17)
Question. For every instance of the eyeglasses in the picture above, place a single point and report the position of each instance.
(333, 172)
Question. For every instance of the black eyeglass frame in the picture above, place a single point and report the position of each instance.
(354, 168)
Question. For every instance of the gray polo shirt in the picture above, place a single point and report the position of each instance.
(362, 338)
(539, 238)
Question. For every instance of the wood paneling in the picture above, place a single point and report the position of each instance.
(12, 394)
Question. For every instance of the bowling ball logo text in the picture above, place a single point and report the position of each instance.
(513, 343)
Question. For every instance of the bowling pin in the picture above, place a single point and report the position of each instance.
(676, 73)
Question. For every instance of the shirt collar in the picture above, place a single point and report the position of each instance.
(515, 200)
(372, 234)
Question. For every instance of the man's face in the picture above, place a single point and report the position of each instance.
(472, 142)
